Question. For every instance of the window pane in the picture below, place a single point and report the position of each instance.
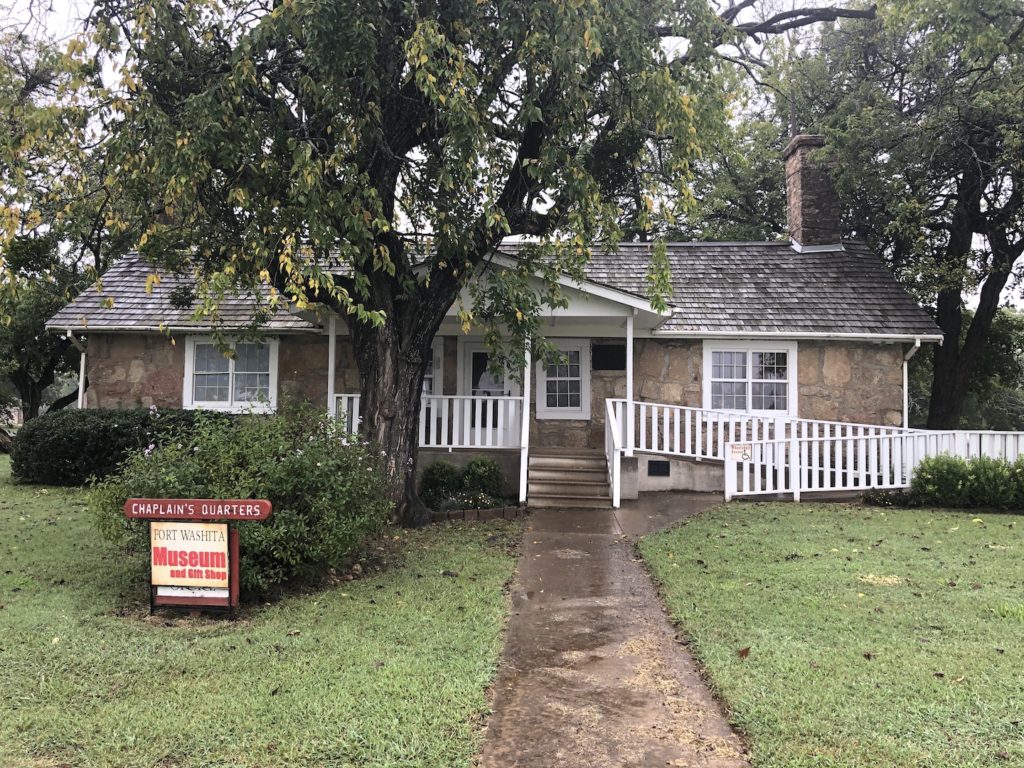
(728, 365)
(252, 387)
(564, 385)
(210, 360)
(727, 395)
(252, 358)
(771, 366)
(769, 397)
(210, 388)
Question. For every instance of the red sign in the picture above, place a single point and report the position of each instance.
(197, 509)
(193, 565)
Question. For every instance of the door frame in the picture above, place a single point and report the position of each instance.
(466, 348)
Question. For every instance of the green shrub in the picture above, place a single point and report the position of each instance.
(482, 476)
(328, 496)
(949, 481)
(440, 481)
(70, 446)
(992, 483)
(943, 481)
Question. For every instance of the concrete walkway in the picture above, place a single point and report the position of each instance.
(591, 672)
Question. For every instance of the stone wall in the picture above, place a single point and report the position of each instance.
(668, 371)
(302, 368)
(134, 370)
(128, 370)
(837, 381)
(851, 381)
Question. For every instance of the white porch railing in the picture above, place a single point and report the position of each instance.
(346, 408)
(864, 462)
(789, 456)
(613, 449)
(698, 433)
(455, 421)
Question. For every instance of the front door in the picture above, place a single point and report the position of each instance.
(499, 419)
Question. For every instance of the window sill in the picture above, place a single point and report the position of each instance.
(550, 414)
(258, 408)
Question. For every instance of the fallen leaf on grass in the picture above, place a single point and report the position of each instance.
(743, 652)
(869, 655)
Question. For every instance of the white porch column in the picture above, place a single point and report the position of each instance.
(524, 435)
(629, 385)
(332, 356)
(81, 381)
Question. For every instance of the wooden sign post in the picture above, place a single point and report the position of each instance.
(194, 548)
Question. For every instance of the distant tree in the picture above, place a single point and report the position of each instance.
(739, 184)
(58, 227)
(924, 110)
(31, 359)
(995, 398)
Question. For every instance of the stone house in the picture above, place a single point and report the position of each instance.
(756, 334)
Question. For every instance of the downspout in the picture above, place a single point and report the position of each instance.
(332, 358)
(630, 416)
(81, 367)
(906, 382)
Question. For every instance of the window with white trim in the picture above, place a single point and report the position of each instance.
(754, 379)
(563, 388)
(244, 381)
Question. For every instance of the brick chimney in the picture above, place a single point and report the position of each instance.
(812, 204)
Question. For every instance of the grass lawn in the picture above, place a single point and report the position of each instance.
(876, 637)
(388, 670)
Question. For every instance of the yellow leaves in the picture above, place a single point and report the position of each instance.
(152, 280)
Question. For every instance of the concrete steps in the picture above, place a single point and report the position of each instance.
(568, 478)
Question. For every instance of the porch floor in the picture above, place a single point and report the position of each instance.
(592, 674)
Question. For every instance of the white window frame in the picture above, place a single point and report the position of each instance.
(576, 414)
(788, 347)
(436, 372)
(230, 406)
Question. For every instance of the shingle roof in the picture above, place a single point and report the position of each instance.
(770, 288)
(717, 288)
(130, 307)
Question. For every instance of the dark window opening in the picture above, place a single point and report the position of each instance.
(608, 357)
(657, 469)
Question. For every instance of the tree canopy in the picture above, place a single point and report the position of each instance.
(924, 109)
(368, 157)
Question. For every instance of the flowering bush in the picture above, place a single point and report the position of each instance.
(328, 495)
(478, 486)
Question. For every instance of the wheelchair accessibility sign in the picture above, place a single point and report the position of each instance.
(741, 451)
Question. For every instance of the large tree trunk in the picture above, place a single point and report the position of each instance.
(954, 365)
(392, 361)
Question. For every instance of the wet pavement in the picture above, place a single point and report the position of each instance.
(592, 674)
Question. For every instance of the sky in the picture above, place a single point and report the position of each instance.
(59, 18)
